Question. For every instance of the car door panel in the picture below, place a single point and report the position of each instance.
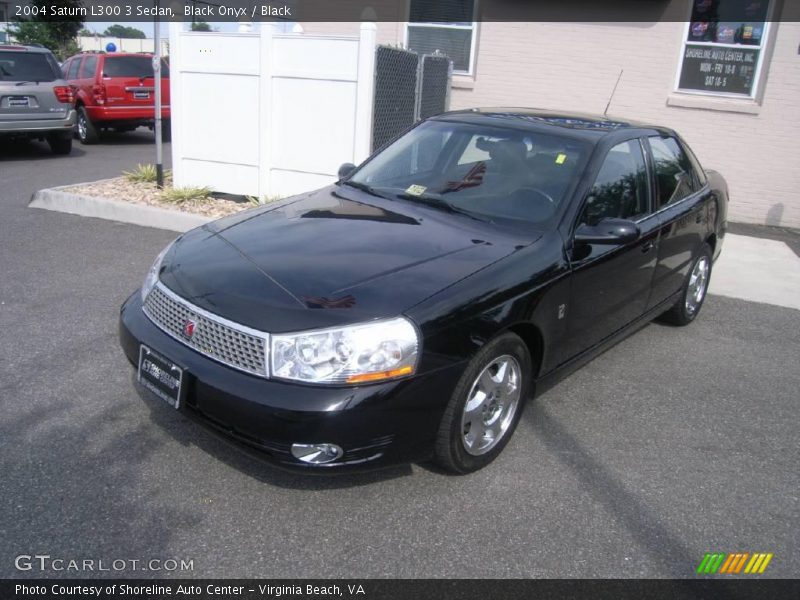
(684, 220)
(610, 284)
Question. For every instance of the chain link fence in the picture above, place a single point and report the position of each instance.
(408, 87)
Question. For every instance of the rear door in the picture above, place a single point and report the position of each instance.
(681, 199)
(27, 80)
(129, 81)
(86, 75)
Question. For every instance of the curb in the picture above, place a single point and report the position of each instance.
(58, 200)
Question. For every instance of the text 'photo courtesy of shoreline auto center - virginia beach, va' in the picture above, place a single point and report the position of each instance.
(399, 298)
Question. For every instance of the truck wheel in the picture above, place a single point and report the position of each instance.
(87, 133)
(60, 144)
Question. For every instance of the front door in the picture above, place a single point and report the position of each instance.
(611, 283)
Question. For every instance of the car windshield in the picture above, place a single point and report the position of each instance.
(28, 66)
(132, 66)
(489, 172)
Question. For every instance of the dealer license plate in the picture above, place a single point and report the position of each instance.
(161, 376)
(141, 95)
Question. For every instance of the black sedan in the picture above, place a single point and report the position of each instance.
(409, 310)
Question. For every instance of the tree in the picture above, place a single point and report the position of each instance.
(87, 33)
(122, 31)
(201, 26)
(56, 33)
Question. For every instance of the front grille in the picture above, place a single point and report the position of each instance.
(229, 343)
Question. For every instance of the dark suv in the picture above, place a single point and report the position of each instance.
(116, 91)
(35, 101)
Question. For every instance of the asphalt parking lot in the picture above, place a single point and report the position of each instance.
(674, 443)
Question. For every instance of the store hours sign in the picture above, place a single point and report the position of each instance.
(719, 69)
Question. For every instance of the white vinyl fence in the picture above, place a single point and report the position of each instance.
(267, 114)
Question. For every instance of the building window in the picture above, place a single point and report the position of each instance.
(448, 27)
(723, 47)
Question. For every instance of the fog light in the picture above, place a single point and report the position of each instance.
(316, 454)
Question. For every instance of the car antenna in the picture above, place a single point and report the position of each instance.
(621, 71)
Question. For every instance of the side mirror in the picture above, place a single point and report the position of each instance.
(608, 231)
(345, 170)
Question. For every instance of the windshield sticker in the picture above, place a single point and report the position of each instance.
(416, 190)
(561, 159)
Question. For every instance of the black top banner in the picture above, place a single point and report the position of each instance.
(396, 589)
(422, 11)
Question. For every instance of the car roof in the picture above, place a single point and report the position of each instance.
(18, 47)
(576, 124)
(112, 54)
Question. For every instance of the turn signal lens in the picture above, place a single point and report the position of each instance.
(378, 376)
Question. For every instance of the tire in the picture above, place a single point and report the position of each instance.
(60, 144)
(166, 130)
(87, 132)
(688, 306)
(459, 449)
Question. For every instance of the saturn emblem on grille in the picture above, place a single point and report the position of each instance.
(188, 328)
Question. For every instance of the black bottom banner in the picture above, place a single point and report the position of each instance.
(390, 589)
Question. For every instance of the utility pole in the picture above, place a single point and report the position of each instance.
(157, 76)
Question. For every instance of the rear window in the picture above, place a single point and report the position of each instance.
(132, 66)
(28, 66)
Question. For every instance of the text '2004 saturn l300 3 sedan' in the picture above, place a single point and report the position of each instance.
(409, 310)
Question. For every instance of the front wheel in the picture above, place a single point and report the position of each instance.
(485, 406)
(694, 291)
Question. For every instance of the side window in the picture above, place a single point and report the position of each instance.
(72, 73)
(674, 174)
(700, 175)
(620, 190)
(89, 66)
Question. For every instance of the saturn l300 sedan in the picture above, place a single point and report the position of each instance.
(410, 310)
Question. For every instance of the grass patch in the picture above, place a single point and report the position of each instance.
(145, 174)
(184, 194)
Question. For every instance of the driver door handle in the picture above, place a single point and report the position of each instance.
(647, 246)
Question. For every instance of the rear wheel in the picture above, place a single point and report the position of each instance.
(87, 132)
(60, 144)
(485, 406)
(694, 291)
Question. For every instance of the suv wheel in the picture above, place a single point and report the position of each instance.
(59, 143)
(87, 133)
(485, 406)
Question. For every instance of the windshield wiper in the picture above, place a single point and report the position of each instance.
(26, 82)
(365, 188)
(442, 204)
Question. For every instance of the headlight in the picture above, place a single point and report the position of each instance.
(152, 275)
(356, 354)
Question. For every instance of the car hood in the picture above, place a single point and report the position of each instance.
(331, 257)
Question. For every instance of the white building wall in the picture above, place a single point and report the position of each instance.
(96, 43)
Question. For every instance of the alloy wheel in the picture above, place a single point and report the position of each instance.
(698, 282)
(491, 405)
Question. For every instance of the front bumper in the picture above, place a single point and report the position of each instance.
(375, 425)
(43, 126)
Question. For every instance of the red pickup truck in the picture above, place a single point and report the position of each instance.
(116, 91)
